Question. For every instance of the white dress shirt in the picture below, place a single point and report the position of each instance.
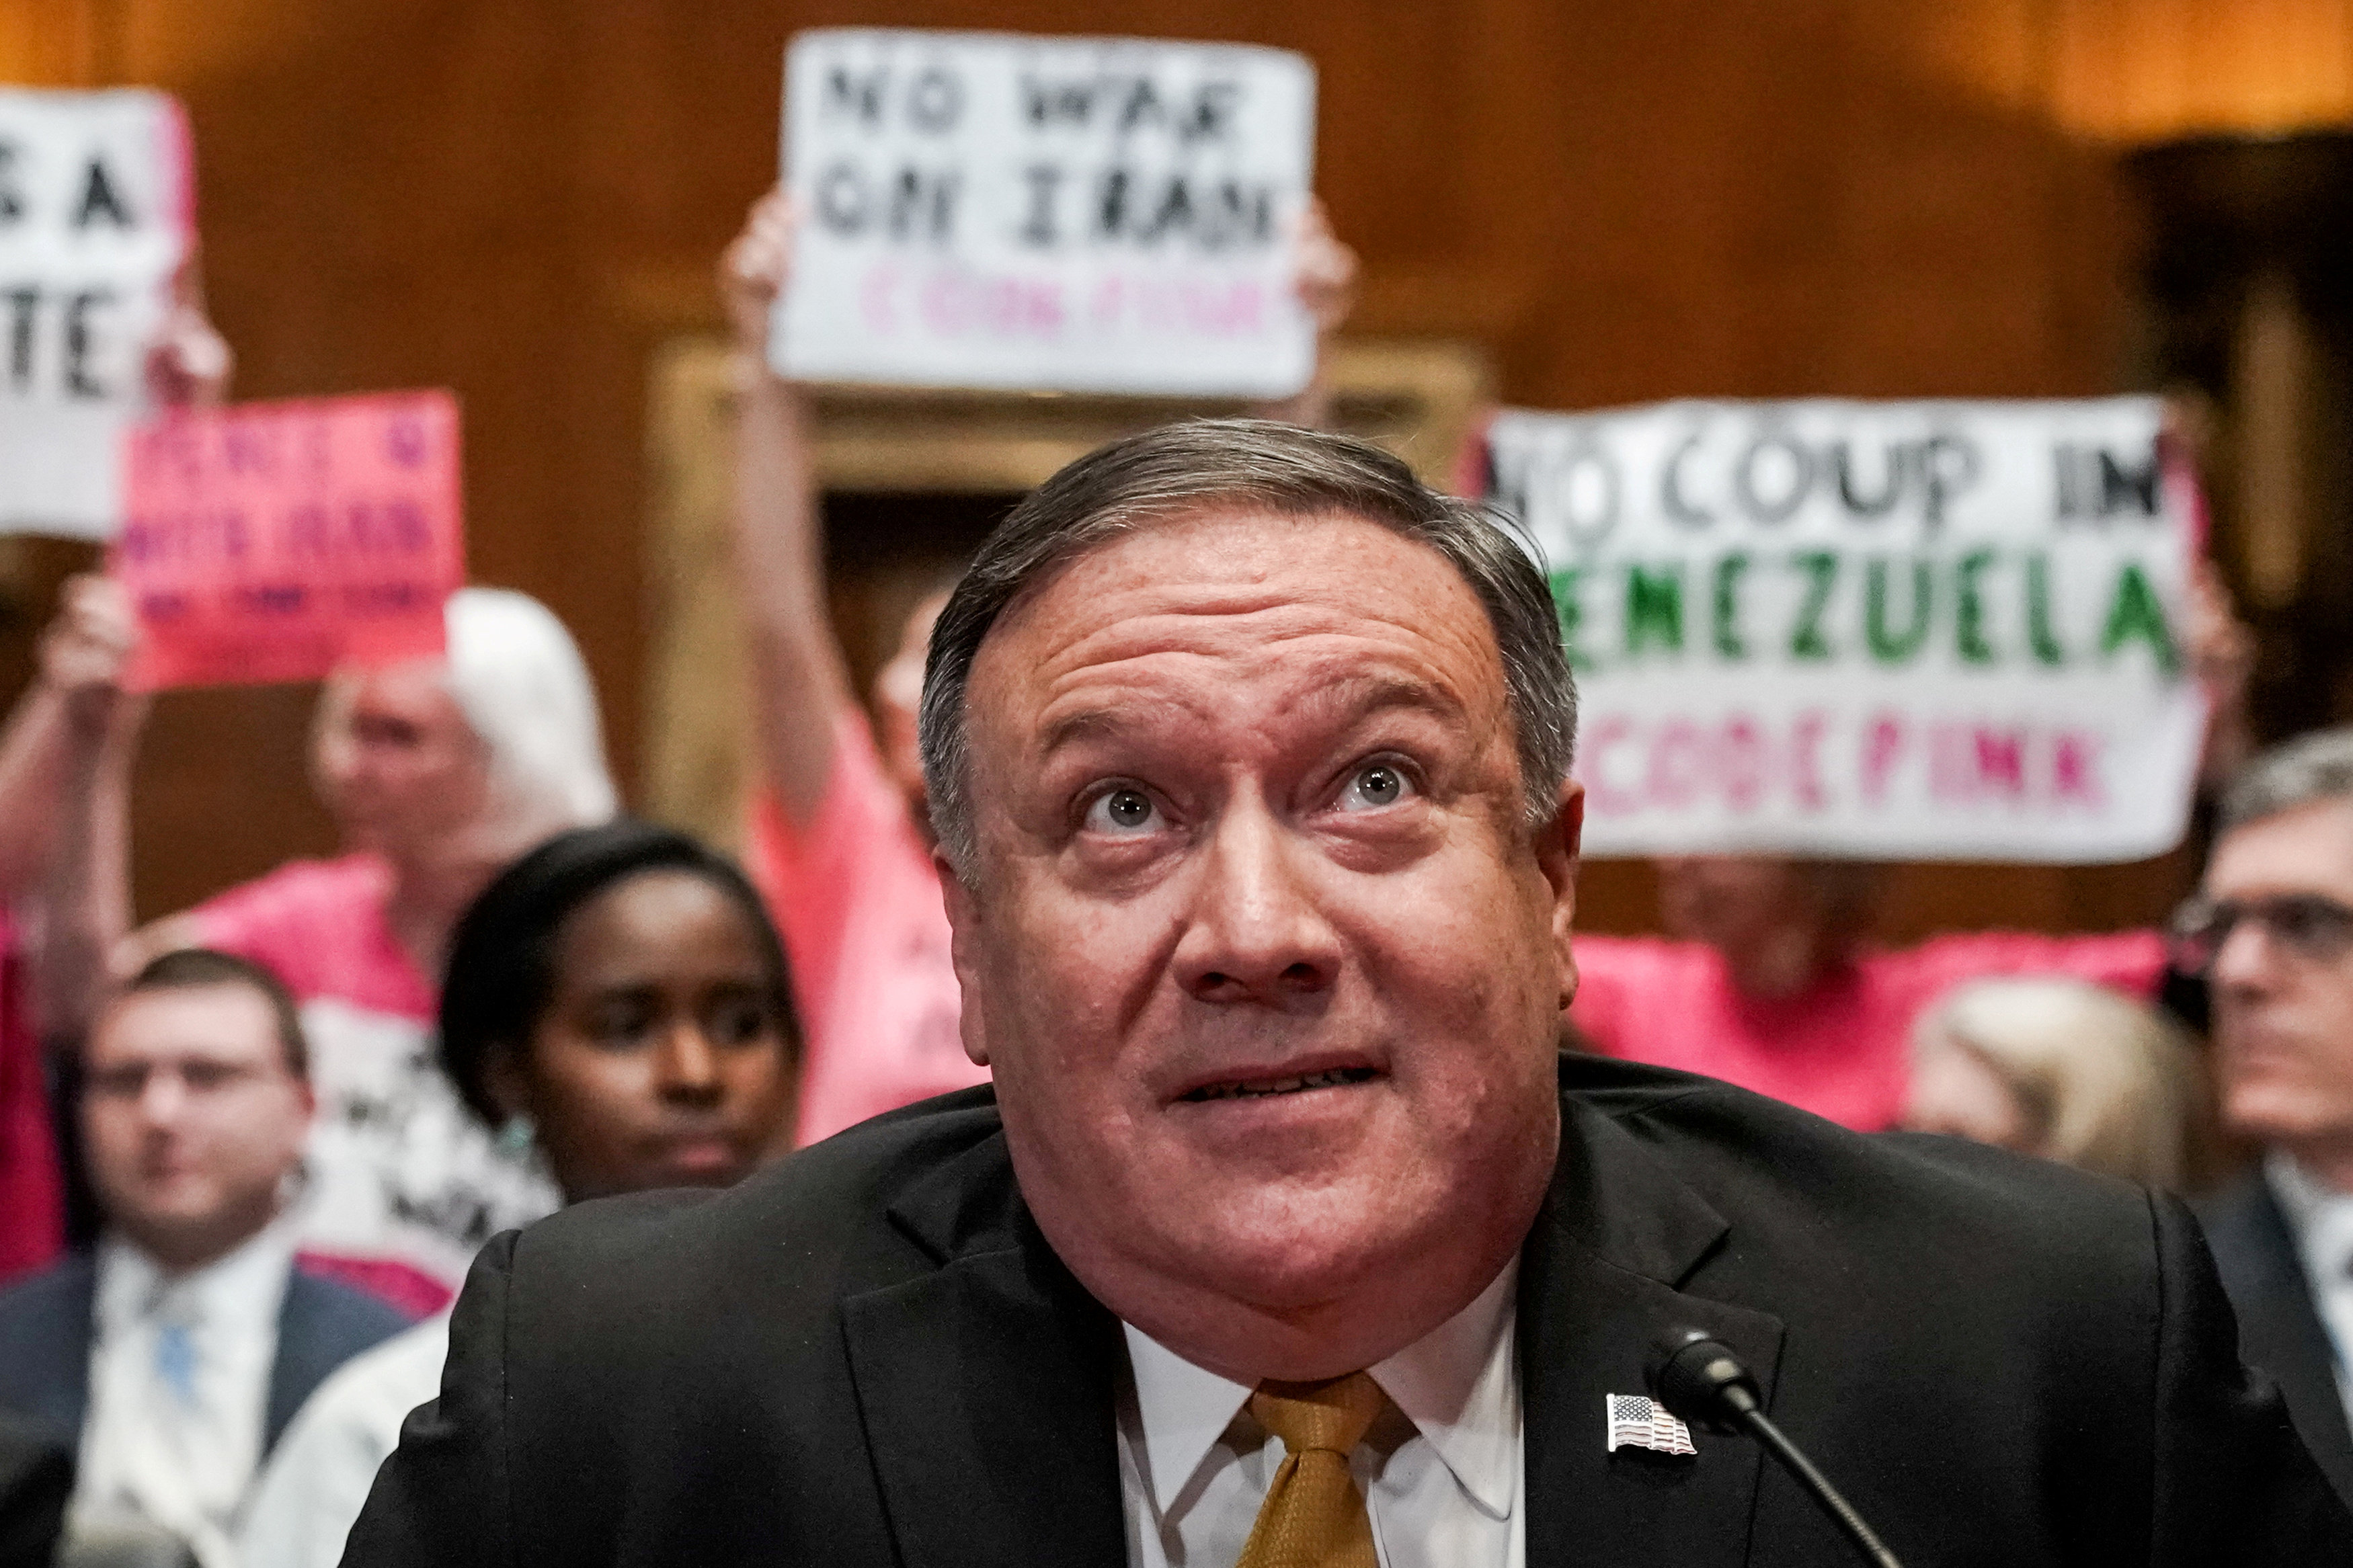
(1442, 1484)
(179, 1389)
(311, 1492)
(2321, 1220)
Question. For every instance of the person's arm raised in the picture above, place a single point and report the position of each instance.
(83, 656)
(1326, 285)
(800, 684)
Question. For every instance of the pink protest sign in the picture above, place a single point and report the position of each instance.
(279, 540)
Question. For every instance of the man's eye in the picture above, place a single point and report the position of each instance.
(1374, 785)
(1122, 811)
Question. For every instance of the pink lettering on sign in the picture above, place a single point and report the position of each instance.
(279, 541)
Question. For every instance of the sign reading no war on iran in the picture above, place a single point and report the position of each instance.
(95, 218)
(1908, 630)
(1080, 215)
(279, 540)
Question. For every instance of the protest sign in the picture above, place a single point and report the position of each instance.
(1078, 215)
(96, 214)
(278, 540)
(1904, 630)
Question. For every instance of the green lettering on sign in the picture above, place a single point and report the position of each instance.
(1806, 639)
(2135, 615)
(1728, 640)
(2039, 633)
(1968, 608)
(1892, 647)
(1654, 609)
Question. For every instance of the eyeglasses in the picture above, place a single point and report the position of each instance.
(129, 1082)
(2306, 926)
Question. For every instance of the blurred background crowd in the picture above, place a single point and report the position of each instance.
(309, 992)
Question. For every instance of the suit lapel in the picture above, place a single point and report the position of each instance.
(987, 1385)
(2280, 1331)
(1599, 1284)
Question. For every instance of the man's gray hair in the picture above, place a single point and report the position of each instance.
(1178, 468)
(2317, 766)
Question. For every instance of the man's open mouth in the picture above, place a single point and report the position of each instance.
(1258, 1088)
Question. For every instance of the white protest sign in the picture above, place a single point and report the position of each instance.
(1904, 630)
(1077, 214)
(96, 212)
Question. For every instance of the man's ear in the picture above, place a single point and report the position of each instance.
(1557, 843)
(963, 928)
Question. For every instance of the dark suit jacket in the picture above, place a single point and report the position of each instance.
(36, 1475)
(46, 1321)
(2280, 1329)
(868, 1355)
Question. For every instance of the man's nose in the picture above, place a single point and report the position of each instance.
(1256, 932)
(687, 1067)
(162, 1098)
(2248, 962)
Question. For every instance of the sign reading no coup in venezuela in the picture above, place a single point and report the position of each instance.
(1082, 214)
(95, 218)
(278, 540)
(1913, 630)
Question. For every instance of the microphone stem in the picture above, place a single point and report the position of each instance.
(1841, 1513)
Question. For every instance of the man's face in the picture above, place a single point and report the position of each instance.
(192, 1117)
(401, 769)
(1267, 967)
(2284, 1017)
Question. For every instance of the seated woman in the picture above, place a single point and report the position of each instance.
(2069, 1071)
(618, 998)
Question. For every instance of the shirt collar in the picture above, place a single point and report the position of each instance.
(1459, 1384)
(245, 1283)
(2320, 1215)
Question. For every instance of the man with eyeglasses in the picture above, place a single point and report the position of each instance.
(2272, 930)
(173, 1357)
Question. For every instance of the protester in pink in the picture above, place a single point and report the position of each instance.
(62, 725)
(439, 773)
(1780, 992)
(840, 842)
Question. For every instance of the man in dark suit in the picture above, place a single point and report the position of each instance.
(1283, 1235)
(2271, 929)
(174, 1357)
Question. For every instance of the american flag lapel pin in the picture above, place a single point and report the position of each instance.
(1635, 1421)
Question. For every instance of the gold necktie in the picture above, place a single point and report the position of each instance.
(1314, 1515)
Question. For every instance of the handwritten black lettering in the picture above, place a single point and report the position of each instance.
(99, 197)
(78, 381)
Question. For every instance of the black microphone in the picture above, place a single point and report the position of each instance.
(1703, 1383)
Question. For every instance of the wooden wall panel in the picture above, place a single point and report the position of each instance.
(517, 198)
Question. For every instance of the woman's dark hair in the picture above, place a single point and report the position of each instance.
(501, 969)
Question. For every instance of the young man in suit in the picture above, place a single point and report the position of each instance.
(174, 1357)
(1285, 1234)
(2271, 929)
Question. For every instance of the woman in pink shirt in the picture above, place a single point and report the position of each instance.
(840, 844)
(1777, 988)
